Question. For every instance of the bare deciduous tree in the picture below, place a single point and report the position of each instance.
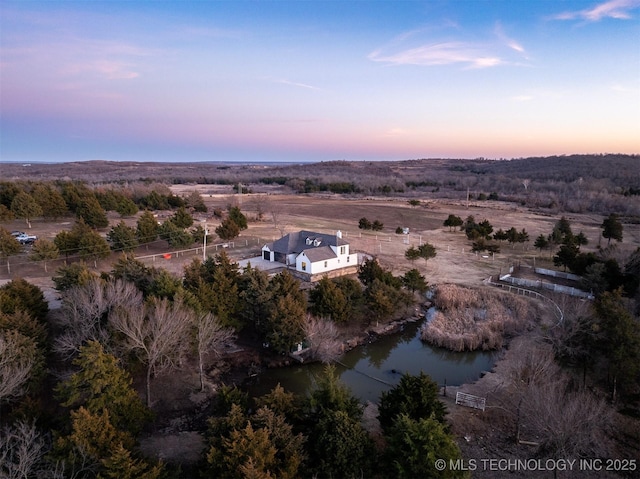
(210, 336)
(16, 363)
(570, 423)
(323, 339)
(86, 309)
(22, 448)
(277, 214)
(567, 422)
(157, 333)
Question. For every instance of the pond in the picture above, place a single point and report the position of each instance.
(370, 369)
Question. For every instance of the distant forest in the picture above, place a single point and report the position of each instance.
(601, 184)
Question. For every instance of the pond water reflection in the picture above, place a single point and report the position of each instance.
(377, 366)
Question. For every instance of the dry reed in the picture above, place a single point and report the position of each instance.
(469, 319)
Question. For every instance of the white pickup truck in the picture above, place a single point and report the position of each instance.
(24, 238)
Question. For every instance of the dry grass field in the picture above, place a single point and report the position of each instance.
(275, 211)
(283, 213)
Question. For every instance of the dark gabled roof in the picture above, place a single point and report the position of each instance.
(297, 242)
(320, 253)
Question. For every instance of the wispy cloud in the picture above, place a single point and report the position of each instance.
(619, 9)
(293, 83)
(408, 49)
(445, 53)
(110, 70)
(508, 41)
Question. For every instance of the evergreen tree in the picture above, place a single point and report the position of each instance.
(66, 242)
(618, 342)
(611, 228)
(126, 207)
(380, 301)
(453, 221)
(414, 281)
(285, 323)
(91, 212)
(9, 246)
(370, 270)
(259, 446)
(412, 253)
(414, 396)
(24, 206)
(255, 297)
(364, 224)
(175, 236)
(228, 229)
(75, 274)
(129, 269)
(338, 445)
(147, 228)
(541, 242)
(5, 214)
(427, 251)
(501, 235)
(567, 255)
(122, 237)
(181, 218)
(122, 465)
(51, 201)
(93, 246)
(44, 250)
(101, 384)
(20, 295)
(327, 300)
(226, 301)
(238, 218)
(415, 445)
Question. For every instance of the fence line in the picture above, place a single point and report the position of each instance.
(169, 254)
(528, 292)
(556, 288)
(557, 274)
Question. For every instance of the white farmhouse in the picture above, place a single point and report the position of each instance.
(311, 253)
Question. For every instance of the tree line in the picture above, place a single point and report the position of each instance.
(137, 319)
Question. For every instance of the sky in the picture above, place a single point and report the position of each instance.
(254, 81)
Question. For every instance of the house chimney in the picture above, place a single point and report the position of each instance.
(338, 234)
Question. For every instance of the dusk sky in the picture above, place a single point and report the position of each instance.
(317, 80)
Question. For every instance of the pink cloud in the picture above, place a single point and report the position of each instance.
(619, 9)
(445, 53)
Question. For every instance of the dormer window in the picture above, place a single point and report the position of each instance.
(316, 242)
(309, 241)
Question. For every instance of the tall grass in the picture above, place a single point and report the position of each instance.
(470, 319)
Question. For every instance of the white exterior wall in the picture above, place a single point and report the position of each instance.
(264, 248)
(291, 259)
(332, 263)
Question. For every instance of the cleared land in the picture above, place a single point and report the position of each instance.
(282, 213)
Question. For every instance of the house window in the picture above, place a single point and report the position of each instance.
(304, 266)
(342, 249)
(325, 264)
(347, 259)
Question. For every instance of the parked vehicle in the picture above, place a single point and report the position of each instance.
(24, 238)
